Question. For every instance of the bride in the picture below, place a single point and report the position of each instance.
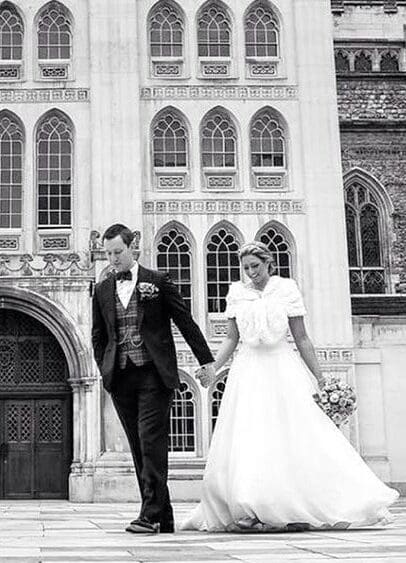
(276, 461)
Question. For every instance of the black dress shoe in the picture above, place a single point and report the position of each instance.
(141, 526)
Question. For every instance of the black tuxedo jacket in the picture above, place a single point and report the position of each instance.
(154, 319)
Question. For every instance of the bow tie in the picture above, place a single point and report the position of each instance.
(121, 276)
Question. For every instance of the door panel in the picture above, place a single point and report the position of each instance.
(18, 451)
(51, 451)
(35, 410)
(35, 449)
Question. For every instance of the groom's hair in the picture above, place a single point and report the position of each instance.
(118, 229)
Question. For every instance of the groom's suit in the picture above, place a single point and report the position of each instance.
(135, 352)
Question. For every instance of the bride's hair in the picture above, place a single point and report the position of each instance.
(260, 250)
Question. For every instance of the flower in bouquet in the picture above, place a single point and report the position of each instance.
(337, 400)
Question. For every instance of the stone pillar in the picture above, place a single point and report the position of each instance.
(86, 440)
(323, 253)
(326, 275)
(116, 166)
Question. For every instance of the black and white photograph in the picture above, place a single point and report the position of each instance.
(202, 281)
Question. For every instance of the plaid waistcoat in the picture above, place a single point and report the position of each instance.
(130, 344)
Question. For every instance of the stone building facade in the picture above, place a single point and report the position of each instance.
(201, 125)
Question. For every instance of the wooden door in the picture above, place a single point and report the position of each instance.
(35, 411)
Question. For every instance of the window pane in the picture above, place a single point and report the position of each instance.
(54, 148)
(54, 33)
(166, 31)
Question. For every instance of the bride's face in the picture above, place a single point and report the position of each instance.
(256, 269)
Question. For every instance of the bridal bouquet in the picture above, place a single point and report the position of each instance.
(338, 400)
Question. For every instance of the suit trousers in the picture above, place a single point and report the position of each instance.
(143, 404)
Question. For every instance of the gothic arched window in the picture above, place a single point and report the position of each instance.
(222, 267)
(389, 62)
(11, 33)
(214, 32)
(166, 31)
(342, 61)
(261, 32)
(54, 142)
(169, 140)
(267, 141)
(280, 248)
(182, 436)
(11, 171)
(364, 240)
(219, 140)
(363, 62)
(174, 255)
(54, 33)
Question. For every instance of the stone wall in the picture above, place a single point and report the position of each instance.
(381, 99)
(381, 152)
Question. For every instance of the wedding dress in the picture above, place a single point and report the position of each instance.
(276, 461)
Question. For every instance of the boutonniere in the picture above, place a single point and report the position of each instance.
(147, 291)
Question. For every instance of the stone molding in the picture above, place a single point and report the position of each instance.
(47, 265)
(225, 206)
(197, 92)
(58, 321)
(41, 95)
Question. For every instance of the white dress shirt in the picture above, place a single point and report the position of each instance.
(125, 288)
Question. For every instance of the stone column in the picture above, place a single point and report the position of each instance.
(323, 251)
(116, 166)
(326, 274)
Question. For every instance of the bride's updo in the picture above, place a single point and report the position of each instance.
(260, 250)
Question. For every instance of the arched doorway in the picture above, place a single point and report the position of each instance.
(35, 410)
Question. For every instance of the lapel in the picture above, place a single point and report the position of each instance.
(107, 291)
(143, 276)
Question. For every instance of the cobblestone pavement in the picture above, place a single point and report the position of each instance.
(59, 531)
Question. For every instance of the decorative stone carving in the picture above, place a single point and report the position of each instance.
(335, 355)
(10, 72)
(54, 72)
(55, 242)
(226, 206)
(266, 93)
(219, 182)
(48, 265)
(170, 182)
(215, 70)
(262, 70)
(270, 182)
(9, 242)
(167, 70)
(40, 95)
(185, 358)
(217, 328)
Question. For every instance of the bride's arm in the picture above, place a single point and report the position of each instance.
(228, 345)
(305, 347)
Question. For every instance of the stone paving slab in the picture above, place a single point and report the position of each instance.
(59, 532)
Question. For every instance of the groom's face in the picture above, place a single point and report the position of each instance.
(119, 254)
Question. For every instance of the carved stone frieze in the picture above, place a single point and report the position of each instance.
(201, 207)
(48, 265)
(9, 242)
(266, 93)
(335, 355)
(40, 95)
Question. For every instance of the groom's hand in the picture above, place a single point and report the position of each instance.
(206, 374)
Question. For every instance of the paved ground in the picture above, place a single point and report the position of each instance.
(51, 531)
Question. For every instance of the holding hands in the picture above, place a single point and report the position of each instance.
(206, 374)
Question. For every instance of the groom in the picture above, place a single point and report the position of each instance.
(135, 352)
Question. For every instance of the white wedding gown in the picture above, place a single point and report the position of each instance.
(275, 458)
